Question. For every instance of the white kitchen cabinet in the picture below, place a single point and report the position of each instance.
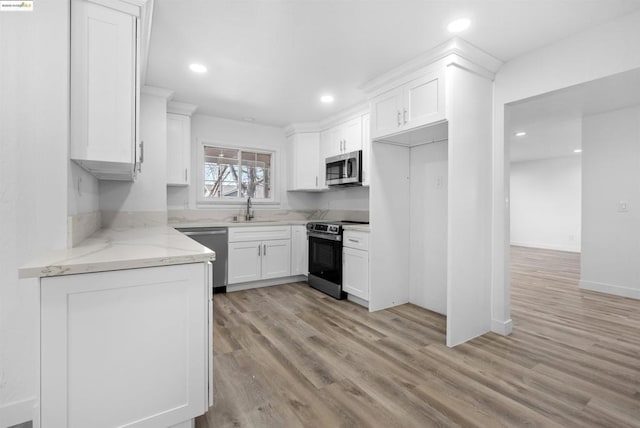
(276, 258)
(304, 162)
(257, 252)
(299, 250)
(245, 261)
(366, 149)
(178, 149)
(126, 348)
(105, 89)
(411, 105)
(355, 264)
(343, 138)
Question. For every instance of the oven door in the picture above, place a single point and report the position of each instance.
(325, 257)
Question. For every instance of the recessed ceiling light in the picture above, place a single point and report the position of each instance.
(198, 68)
(521, 134)
(577, 151)
(249, 119)
(326, 99)
(458, 25)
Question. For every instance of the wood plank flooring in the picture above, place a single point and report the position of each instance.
(289, 356)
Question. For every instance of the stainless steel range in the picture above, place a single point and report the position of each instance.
(325, 257)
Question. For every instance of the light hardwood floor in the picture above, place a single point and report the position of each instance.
(289, 356)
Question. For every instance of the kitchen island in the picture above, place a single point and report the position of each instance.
(125, 334)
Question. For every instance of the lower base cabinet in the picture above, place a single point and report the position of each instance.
(255, 260)
(126, 348)
(355, 264)
(355, 272)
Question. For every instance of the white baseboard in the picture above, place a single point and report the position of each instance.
(503, 328)
(19, 412)
(358, 300)
(265, 283)
(571, 249)
(616, 290)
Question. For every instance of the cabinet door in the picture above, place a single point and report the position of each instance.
(423, 101)
(244, 261)
(305, 152)
(352, 135)
(276, 258)
(355, 272)
(132, 340)
(103, 89)
(325, 152)
(178, 149)
(299, 250)
(335, 141)
(366, 149)
(386, 116)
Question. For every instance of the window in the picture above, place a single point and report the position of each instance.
(236, 174)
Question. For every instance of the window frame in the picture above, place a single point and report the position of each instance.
(234, 201)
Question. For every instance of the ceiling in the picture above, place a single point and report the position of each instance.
(270, 60)
(553, 121)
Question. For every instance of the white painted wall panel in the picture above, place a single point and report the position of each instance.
(601, 51)
(546, 203)
(611, 173)
(34, 58)
(428, 240)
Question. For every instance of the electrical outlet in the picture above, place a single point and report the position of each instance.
(623, 206)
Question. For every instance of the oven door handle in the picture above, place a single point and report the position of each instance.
(324, 236)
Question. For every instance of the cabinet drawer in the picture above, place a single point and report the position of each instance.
(356, 239)
(259, 233)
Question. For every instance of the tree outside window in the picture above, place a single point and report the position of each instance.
(236, 174)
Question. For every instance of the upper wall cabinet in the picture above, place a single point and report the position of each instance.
(304, 164)
(179, 143)
(105, 88)
(410, 105)
(343, 138)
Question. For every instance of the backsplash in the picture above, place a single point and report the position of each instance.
(227, 215)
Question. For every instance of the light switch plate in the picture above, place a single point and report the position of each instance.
(623, 206)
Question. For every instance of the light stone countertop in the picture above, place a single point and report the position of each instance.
(259, 223)
(358, 227)
(116, 249)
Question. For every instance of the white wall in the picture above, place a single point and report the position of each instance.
(428, 240)
(611, 173)
(83, 191)
(148, 193)
(604, 50)
(34, 49)
(230, 133)
(244, 134)
(546, 203)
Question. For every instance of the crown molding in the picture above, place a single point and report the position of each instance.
(454, 51)
(157, 92)
(185, 109)
(301, 128)
(328, 122)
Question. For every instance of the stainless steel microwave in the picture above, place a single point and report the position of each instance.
(344, 169)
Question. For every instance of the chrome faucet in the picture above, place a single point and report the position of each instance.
(248, 216)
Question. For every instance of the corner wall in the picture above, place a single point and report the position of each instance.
(546, 199)
(611, 174)
(34, 106)
(610, 48)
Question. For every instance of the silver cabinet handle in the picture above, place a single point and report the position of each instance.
(316, 181)
(355, 241)
(185, 175)
(264, 251)
(399, 122)
(404, 115)
(259, 254)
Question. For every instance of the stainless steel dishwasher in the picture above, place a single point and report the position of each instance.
(214, 238)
